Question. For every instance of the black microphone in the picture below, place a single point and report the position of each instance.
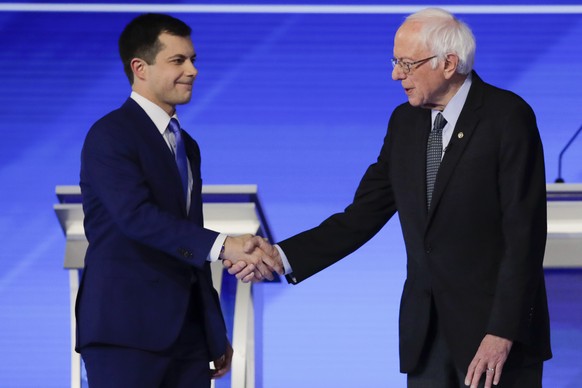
(559, 178)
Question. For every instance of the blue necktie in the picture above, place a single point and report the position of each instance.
(180, 155)
(434, 152)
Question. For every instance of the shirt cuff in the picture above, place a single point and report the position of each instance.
(285, 261)
(216, 247)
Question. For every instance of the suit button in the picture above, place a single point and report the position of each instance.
(428, 249)
(184, 253)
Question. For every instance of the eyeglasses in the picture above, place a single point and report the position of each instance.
(406, 67)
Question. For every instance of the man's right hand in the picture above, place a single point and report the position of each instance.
(251, 258)
(247, 271)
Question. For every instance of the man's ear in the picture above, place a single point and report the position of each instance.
(451, 63)
(138, 66)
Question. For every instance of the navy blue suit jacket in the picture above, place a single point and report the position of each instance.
(145, 252)
(478, 252)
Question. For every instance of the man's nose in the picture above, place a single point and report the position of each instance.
(191, 69)
(397, 73)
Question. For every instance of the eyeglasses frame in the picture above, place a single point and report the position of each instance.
(407, 67)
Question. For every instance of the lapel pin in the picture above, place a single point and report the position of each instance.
(460, 135)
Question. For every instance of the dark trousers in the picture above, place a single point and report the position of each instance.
(437, 370)
(184, 364)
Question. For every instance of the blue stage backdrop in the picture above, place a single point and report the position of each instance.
(297, 103)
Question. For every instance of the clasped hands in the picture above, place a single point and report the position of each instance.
(251, 258)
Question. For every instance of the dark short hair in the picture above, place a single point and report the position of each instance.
(139, 38)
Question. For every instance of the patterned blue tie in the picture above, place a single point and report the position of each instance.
(180, 155)
(434, 151)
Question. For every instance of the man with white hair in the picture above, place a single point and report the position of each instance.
(462, 164)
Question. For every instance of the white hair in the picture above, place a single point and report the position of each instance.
(442, 33)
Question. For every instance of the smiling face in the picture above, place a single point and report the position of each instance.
(168, 80)
(424, 86)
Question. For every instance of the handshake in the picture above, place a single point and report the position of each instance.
(251, 258)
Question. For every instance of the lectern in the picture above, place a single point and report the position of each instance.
(230, 209)
(564, 244)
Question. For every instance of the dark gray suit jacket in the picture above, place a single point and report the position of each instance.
(478, 252)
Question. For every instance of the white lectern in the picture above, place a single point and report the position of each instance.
(230, 209)
(564, 244)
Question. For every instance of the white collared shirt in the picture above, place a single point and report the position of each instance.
(452, 111)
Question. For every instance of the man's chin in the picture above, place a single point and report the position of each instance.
(415, 103)
(184, 100)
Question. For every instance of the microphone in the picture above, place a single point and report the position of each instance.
(559, 179)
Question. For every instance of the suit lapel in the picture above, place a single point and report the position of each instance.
(464, 129)
(160, 149)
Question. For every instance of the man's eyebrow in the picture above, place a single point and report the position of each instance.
(181, 56)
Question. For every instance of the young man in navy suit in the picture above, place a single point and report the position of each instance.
(470, 195)
(147, 314)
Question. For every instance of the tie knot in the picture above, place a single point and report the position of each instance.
(439, 122)
(174, 126)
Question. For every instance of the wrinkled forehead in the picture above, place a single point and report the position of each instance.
(408, 42)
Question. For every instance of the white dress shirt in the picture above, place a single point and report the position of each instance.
(452, 112)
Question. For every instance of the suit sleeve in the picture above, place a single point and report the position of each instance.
(118, 194)
(342, 233)
(522, 195)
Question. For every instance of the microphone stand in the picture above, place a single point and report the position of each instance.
(559, 178)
